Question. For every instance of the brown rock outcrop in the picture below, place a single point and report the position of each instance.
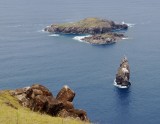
(65, 94)
(39, 98)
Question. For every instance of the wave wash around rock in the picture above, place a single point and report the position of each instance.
(123, 74)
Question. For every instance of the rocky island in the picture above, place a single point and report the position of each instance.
(39, 99)
(102, 39)
(123, 74)
(99, 29)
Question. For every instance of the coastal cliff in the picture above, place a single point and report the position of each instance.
(39, 99)
(101, 30)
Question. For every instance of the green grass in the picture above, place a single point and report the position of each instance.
(11, 112)
(86, 23)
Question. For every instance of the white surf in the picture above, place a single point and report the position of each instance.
(54, 35)
(119, 86)
(79, 38)
(129, 24)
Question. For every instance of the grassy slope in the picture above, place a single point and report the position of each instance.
(20, 115)
(86, 23)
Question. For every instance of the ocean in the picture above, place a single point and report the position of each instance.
(29, 55)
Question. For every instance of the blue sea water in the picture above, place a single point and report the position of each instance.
(28, 55)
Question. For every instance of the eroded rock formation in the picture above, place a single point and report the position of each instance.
(123, 73)
(39, 98)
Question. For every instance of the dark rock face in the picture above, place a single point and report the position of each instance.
(86, 26)
(123, 73)
(102, 39)
(39, 98)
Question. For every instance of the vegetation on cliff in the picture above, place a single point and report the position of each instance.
(86, 26)
(100, 29)
(11, 112)
(88, 22)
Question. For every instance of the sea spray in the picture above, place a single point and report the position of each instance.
(79, 38)
(128, 24)
(54, 35)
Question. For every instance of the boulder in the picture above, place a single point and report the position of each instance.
(39, 98)
(65, 94)
(40, 88)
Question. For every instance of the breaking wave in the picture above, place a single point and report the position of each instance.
(54, 35)
(79, 38)
(119, 86)
(125, 38)
(129, 24)
(41, 30)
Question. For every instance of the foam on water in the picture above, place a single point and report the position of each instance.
(125, 38)
(129, 24)
(54, 35)
(41, 30)
(119, 86)
(79, 38)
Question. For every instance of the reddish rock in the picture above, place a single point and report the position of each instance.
(65, 94)
(68, 105)
(45, 91)
(39, 103)
(39, 98)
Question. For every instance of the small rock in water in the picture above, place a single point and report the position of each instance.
(123, 73)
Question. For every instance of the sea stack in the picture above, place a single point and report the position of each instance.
(123, 74)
